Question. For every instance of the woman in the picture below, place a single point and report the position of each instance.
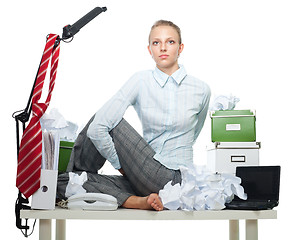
(172, 107)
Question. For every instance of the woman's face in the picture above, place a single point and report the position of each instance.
(165, 49)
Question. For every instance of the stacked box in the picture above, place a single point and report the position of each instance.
(233, 133)
(224, 157)
(233, 126)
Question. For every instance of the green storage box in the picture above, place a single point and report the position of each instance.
(233, 126)
(64, 155)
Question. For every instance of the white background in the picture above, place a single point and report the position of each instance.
(239, 47)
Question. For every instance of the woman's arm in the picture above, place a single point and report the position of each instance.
(203, 113)
(109, 116)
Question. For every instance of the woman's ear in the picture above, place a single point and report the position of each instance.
(181, 47)
(150, 51)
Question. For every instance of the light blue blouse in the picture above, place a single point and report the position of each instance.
(172, 110)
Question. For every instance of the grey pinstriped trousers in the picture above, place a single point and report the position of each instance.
(143, 174)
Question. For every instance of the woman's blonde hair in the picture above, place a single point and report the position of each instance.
(167, 23)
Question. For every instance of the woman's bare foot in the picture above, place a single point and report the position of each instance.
(155, 201)
(152, 201)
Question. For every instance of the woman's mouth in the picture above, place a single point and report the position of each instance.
(163, 56)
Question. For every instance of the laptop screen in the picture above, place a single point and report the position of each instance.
(261, 182)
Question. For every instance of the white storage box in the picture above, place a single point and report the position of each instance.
(45, 196)
(224, 157)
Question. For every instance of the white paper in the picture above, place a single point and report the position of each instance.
(55, 121)
(75, 183)
(201, 190)
(50, 150)
(224, 102)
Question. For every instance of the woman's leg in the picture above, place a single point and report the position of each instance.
(145, 174)
(84, 156)
(116, 186)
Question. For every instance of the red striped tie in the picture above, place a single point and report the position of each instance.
(30, 153)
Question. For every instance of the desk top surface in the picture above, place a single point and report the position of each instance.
(135, 214)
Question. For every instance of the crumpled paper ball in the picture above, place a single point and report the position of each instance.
(224, 102)
(75, 183)
(54, 121)
(201, 189)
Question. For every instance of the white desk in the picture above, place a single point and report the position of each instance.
(45, 217)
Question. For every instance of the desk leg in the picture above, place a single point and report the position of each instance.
(60, 229)
(234, 229)
(45, 229)
(251, 229)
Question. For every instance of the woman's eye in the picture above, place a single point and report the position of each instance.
(171, 41)
(155, 43)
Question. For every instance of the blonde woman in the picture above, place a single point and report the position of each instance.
(172, 107)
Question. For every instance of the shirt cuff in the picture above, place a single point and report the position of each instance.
(115, 163)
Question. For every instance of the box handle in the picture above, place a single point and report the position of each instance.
(238, 158)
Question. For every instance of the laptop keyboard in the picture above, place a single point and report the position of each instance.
(251, 204)
(247, 205)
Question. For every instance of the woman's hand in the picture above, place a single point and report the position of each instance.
(121, 171)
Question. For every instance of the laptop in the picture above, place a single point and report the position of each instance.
(262, 185)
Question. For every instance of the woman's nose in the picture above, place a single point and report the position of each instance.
(163, 47)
